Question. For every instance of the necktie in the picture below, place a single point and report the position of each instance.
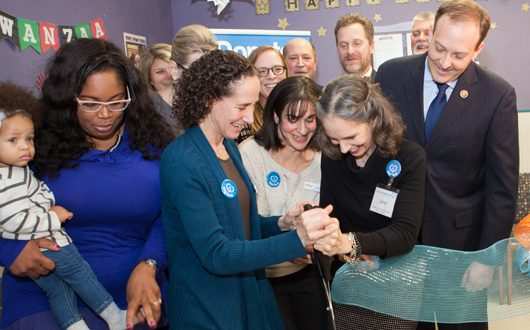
(435, 110)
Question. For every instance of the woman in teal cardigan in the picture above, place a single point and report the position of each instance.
(217, 243)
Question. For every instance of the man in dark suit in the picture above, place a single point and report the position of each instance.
(466, 119)
(354, 36)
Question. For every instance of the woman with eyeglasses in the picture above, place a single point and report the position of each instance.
(98, 145)
(283, 162)
(160, 72)
(190, 43)
(271, 68)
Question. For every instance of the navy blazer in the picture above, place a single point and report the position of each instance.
(217, 279)
(472, 156)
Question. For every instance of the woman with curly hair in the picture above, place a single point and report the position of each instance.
(97, 149)
(375, 180)
(217, 243)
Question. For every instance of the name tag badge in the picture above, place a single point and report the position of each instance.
(312, 186)
(384, 200)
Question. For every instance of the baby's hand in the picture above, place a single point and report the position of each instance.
(62, 213)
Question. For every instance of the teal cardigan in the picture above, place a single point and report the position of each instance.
(217, 279)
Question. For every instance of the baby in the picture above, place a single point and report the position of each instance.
(28, 211)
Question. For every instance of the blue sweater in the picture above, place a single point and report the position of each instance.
(217, 279)
(115, 198)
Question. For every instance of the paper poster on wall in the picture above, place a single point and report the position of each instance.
(409, 46)
(133, 44)
(391, 41)
(387, 46)
(244, 41)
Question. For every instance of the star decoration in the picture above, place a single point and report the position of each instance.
(377, 17)
(493, 25)
(525, 7)
(322, 31)
(282, 23)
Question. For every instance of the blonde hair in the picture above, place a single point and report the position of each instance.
(189, 38)
(157, 51)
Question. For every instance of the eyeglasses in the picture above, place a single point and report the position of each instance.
(182, 67)
(95, 106)
(276, 70)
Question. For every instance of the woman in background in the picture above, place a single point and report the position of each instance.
(160, 73)
(283, 162)
(271, 68)
(190, 43)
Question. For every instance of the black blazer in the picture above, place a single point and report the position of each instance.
(472, 158)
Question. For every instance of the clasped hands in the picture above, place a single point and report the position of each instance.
(317, 230)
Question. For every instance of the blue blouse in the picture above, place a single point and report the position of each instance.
(115, 198)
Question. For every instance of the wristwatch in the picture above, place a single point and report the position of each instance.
(355, 252)
(152, 263)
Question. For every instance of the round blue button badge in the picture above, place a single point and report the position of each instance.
(273, 179)
(229, 188)
(393, 168)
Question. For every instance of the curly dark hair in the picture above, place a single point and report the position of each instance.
(293, 95)
(61, 141)
(208, 79)
(16, 100)
(355, 98)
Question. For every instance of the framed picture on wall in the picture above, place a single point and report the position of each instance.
(133, 45)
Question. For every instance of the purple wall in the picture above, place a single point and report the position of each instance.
(506, 52)
(150, 18)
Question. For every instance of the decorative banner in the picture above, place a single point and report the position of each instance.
(353, 3)
(292, 5)
(49, 36)
(28, 31)
(312, 4)
(82, 30)
(43, 36)
(8, 28)
(332, 3)
(98, 29)
(263, 7)
(66, 34)
(245, 41)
